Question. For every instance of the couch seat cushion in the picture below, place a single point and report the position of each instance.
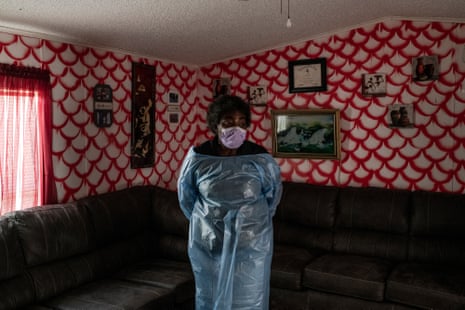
(174, 275)
(114, 294)
(351, 275)
(428, 286)
(288, 266)
(16, 292)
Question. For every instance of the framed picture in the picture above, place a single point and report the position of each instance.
(173, 97)
(401, 116)
(374, 84)
(174, 112)
(307, 75)
(257, 95)
(143, 116)
(221, 86)
(103, 105)
(306, 133)
(425, 68)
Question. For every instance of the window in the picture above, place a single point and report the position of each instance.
(25, 150)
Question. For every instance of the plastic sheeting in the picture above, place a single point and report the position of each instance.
(230, 202)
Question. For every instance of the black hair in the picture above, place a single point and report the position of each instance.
(223, 105)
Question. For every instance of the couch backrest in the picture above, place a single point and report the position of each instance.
(55, 240)
(16, 290)
(71, 244)
(437, 228)
(372, 221)
(122, 223)
(49, 249)
(54, 232)
(305, 216)
(11, 257)
(170, 224)
(121, 214)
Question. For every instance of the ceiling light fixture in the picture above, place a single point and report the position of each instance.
(288, 23)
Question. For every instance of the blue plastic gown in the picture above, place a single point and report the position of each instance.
(230, 202)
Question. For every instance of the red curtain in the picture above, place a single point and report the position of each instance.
(26, 138)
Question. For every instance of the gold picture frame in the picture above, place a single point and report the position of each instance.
(310, 133)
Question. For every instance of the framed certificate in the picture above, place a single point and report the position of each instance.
(307, 75)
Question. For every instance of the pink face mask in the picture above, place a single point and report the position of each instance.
(232, 137)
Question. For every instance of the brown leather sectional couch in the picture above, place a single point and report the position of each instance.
(335, 248)
(109, 251)
(368, 248)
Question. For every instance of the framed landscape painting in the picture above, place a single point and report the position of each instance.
(310, 134)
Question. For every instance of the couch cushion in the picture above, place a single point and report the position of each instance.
(167, 215)
(371, 243)
(288, 266)
(377, 209)
(114, 257)
(121, 214)
(437, 229)
(427, 286)
(373, 221)
(53, 232)
(305, 216)
(16, 289)
(114, 295)
(438, 214)
(11, 257)
(170, 225)
(356, 276)
(293, 234)
(318, 211)
(313, 300)
(56, 277)
(16, 292)
(173, 275)
(172, 247)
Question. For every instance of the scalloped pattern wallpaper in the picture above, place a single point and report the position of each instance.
(430, 156)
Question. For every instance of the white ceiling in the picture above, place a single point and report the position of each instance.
(200, 32)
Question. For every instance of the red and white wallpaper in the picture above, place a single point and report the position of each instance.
(430, 156)
(87, 159)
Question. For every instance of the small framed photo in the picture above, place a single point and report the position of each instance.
(425, 68)
(221, 86)
(173, 97)
(174, 112)
(103, 105)
(257, 95)
(374, 84)
(310, 134)
(401, 116)
(103, 93)
(307, 75)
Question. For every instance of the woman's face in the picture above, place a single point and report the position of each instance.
(233, 119)
(230, 137)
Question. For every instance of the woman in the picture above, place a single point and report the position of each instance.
(229, 189)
